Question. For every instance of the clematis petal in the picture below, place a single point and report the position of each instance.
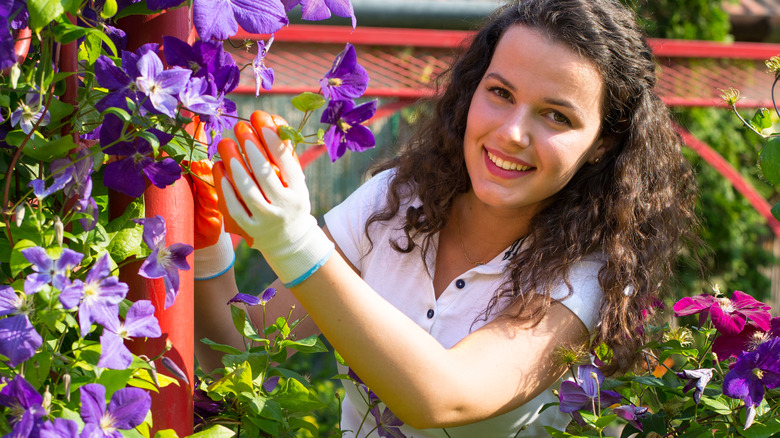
(342, 8)
(360, 138)
(113, 352)
(125, 176)
(590, 379)
(260, 16)
(178, 255)
(334, 143)
(572, 397)
(151, 267)
(249, 300)
(59, 428)
(9, 301)
(163, 173)
(71, 295)
(18, 339)
(109, 75)
(129, 407)
(93, 402)
(214, 19)
(726, 323)
(692, 305)
(314, 10)
(140, 320)
(360, 113)
(154, 231)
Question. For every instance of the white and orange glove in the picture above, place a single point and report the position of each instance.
(265, 195)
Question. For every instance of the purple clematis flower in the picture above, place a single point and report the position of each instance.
(387, 424)
(156, 5)
(48, 270)
(60, 181)
(219, 19)
(80, 186)
(10, 301)
(164, 262)
(128, 174)
(726, 346)
(207, 60)
(315, 10)
(98, 296)
(587, 390)
(30, 113)
(729, 316)
(251, 300)
(632, 414)
(194, 97)
(752, 373)
(19, 14)
(346, 79)
(139, 322)
(346, 131)
(264, 76)
(127, 409)
(59, 428)
(161, 86)
(18, 339)
(696, 378)
(204, 407)
(224, 119)
(120, 82)
(26, 406)
(7, 55)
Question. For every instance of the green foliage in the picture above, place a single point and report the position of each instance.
(683, 19)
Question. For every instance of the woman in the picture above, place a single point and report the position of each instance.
(540, 207)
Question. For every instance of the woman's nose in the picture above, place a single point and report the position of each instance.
(515, 129)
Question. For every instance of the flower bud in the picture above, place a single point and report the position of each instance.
(46, 399)
(19, 215)
(59, 230)
(66, 383)
(773, 64)
(16, 71)
(177, 372)
(730, 96)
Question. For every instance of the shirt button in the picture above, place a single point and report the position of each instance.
(430, 313)
(460, 284)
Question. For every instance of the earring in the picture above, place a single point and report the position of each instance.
(596, 160)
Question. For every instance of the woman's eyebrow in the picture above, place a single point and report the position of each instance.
(565, 103)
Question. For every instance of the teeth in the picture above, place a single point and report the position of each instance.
(506, 165)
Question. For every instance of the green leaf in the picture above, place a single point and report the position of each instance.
(243, 325)
(603, 352)
(134, 9)
(645, 380)
(296, 397)
(776, 211)
(284, 329)
(104, 38)
(301, 423)
(763, 429)
(18, 261)
(51, 150)
(311, 344)
(604, 420)
(769, 161)
(16, 137)
(292, 134)
(42, 12)
(220, 347)
(36, 370)
(216, 431)
(308, 101)
(555, 433)
(716, 405)
(761, 120)
(119, 112)
(125, 236)
(167, 433)
(91, 48)
(151, 139)
(65, 32)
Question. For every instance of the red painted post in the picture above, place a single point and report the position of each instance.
(172, 407)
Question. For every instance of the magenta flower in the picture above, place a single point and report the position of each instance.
(164, 262)
(346, 79)
(631, 414)
(264, 76)
(729, 316)
(139, 322)
(752, 373)
(98, 296)
(127, 409)
(726, 346)
(219, 19)
(346, 131)
(696, 378)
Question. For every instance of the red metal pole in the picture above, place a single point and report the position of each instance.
(172, 406)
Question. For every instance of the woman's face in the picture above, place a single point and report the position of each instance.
(533, 121)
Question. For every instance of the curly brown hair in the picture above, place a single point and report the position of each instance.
(634, 207)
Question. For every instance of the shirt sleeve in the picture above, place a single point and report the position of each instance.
(346, 221)
(585, 300)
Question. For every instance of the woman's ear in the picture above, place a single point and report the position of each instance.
(603, 144)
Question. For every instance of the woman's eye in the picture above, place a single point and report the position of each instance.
(559, 118)
(500, 92)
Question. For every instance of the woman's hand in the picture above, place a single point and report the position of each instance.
(265, 196)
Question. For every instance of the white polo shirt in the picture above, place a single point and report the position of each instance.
(403, 281)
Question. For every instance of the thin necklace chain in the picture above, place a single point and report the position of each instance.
(463, 246)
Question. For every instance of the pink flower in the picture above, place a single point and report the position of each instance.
(749, 339)
(729, 316)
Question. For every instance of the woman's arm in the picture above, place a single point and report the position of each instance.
(492, 371)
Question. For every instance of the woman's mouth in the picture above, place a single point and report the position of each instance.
(507, 165)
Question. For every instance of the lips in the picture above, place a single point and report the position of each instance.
(505, 168)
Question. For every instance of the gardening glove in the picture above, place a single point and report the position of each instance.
(265, 195)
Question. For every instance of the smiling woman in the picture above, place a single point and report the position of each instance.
(539, 207)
